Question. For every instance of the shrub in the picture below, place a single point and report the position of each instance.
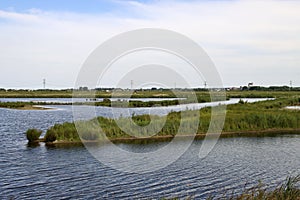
(50, 136)
(33, 134)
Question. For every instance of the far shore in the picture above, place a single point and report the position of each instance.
(167, 138)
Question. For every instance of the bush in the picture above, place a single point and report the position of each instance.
(33, 134)
(50, 136)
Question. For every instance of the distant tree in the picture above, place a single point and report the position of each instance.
(245, 88)
(83, 88)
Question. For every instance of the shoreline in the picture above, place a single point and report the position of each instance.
(34, 107)
(168, 138)
(243, 120)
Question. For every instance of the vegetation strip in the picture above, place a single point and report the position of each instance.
(201, 95)
(242, 119)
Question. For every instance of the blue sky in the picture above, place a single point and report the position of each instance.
(81, 6)
(249, 41)
(89, 6)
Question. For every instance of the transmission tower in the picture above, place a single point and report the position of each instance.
(131, 84)
(44, 83)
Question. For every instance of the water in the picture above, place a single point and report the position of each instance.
(293, 107)
(71, 172)
(118, 112)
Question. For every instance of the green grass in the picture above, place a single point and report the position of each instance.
(289, 190)
(33, 135)
(36, 93)
(242, 117)
(62, 132)
(131, 104)
(14, 104)
(261, 94)
(263, 115)
(202, 95)
(18, 104)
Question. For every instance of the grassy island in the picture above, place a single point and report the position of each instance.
(242, 119)
(106, 102)
(29, 105)
(24, 105)
(202, 95)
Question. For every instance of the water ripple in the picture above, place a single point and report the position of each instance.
(72, 173)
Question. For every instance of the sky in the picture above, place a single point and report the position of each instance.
(248, 40)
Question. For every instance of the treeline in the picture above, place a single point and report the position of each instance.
(242, 117)
(261, 94)
(272, 88)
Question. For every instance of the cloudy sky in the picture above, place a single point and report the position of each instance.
(249, 41)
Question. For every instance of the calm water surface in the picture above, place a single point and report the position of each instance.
(71, 172)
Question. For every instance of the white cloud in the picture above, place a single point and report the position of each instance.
(244, 39)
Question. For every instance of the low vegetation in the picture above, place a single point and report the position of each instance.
(252, 92)
(30, 104)
(201, 95)
(33, 135)
(14, 105)
(261, 94)
(289, 190)
(242, 119)
(131, 103)
(62, 132)
(262, 115)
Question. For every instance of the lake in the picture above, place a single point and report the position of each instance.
(71, 172)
